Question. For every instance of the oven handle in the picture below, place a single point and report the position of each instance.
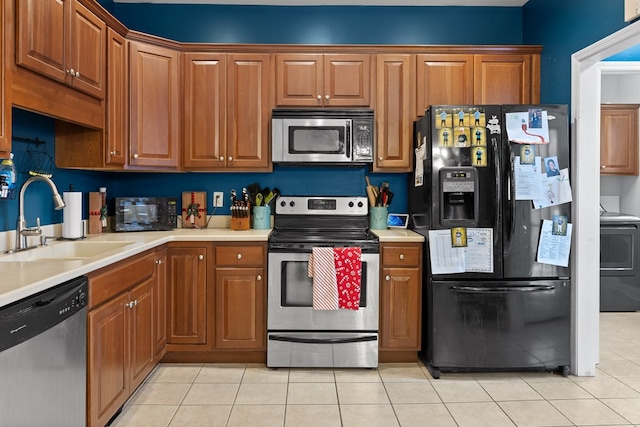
(323, 340)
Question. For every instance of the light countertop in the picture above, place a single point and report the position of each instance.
(21, 279)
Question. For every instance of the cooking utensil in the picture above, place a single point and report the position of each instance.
(371, 192)
(259, 199)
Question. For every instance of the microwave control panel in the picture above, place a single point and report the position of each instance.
(363, 140)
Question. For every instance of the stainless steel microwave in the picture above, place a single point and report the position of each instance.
(322, 136)
(146, 213)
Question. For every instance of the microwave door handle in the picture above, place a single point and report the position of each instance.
(347, 136)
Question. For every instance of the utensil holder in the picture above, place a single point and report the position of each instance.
(378, 217)
(261, 217)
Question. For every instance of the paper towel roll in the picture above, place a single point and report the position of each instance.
(72, 226)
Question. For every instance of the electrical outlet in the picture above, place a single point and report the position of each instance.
(218, 199)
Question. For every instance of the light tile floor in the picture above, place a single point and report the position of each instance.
(177, 395)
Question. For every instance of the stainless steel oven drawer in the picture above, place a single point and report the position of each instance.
(322, 350)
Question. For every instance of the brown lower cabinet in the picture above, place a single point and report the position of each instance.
(400, 301)
(124, 309)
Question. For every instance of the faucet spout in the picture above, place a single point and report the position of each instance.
(21, 227)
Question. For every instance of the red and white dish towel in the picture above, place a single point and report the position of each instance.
(337, 277)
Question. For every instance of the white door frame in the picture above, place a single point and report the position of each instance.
(585, 179)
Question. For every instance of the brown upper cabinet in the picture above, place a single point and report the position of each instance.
(226, 112)
(394, 112)
(5, 89)
(443, 79)
(64, 41)
(619, 139)
(506, 79)
(154, 105)
(117, 108)
(323, 80)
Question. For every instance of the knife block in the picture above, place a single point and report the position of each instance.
(240, 223)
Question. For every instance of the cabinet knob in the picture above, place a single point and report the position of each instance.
(135, 302)
(113, 153)
(158, 261)
(200, 257)
(387, 278)
(380, 158)
(401, 256)
(259, 278)
(77, 74)
(135, 156)
(222, 158)
(230, 158)
(72, 72)
(319, 98)
(239, 256)
(602, 167)
(326, 97)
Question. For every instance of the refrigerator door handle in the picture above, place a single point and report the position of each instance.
(482, 289)
(510, 202)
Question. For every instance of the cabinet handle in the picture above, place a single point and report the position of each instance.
(200, 257)
(239, 256)
(401, 256)
(259, 277)
(135, 156)
(387, 278)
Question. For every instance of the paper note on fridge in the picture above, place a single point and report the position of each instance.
(477, 256)
(528, 127)
(555, 190)
(554, 246)
(527, 178)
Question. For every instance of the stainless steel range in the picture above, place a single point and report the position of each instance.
(300, 335)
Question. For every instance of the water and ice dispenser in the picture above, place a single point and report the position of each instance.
(458, 196)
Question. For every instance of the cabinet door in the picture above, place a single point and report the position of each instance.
(141, 305)
(160, 304)
(43, 37)
(619, 139)
(205, 119)
(299, 80)
(400, 309)
(108, 359)
(86, 51)
(248, 112)
(154, 106)
(187, 285)
(240, 308)
(5, 88)
(394, 113)
(347, 80)
(443, 79)
(502, 79)
(117, 100)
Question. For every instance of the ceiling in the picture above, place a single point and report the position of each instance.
(506, 3)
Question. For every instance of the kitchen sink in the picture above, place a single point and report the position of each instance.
(65, 251)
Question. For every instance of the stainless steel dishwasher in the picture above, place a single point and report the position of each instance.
(43, 353)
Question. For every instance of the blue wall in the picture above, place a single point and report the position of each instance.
(562, 27)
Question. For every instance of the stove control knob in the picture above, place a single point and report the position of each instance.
(283, 203)
(350, 204)
(292, 203)
(360, 204)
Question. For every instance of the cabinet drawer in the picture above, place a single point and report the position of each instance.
(110, 281)
(239, 255)
(401, 255)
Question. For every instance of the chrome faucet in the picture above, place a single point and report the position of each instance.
(22, 231)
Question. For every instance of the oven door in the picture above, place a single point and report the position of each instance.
(290, 306)
(310, 140)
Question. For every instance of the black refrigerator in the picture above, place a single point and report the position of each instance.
(479, 183)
